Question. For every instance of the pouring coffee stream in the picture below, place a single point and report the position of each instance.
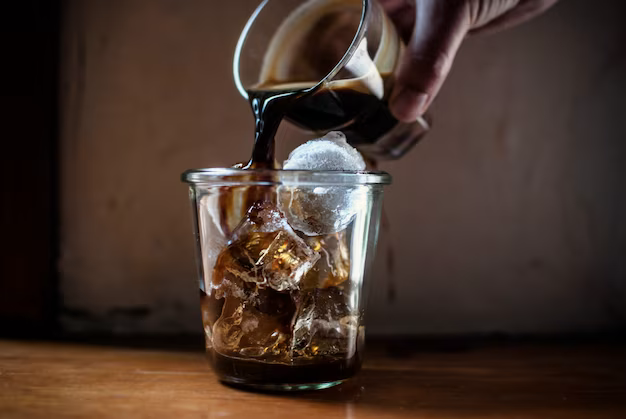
(268, 109)
(354, 104)
(327, 65)
(284, 251)
(318, 109)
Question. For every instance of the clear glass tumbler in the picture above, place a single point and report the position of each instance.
(283, 260)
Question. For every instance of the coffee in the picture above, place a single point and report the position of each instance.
(282, 305)
(345, 106)
(269, 109)
(250, 371)
(294, 81)
(361, 116)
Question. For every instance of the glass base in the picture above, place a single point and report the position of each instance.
(276, 377)
(279, 387)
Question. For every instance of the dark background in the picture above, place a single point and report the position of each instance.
(516, 202)
(29, 220)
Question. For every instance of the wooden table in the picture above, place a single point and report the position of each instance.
(51, 380)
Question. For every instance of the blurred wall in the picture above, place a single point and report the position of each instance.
(510, 217)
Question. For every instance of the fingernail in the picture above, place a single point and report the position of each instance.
(407, 104)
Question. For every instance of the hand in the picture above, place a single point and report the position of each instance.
(434, 30)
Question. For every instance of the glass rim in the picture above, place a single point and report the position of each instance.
(268, 177)
(356, 40)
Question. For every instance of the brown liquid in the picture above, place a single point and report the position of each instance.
(304, 50)
(250, 372)
(269, 109)
(301, 370)
(362, 117)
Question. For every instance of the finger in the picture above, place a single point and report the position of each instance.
(402, 14)
(440, 27)
(523, 12)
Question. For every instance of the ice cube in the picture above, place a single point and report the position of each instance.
(219, 213)
(212, 238)
(319, 210)
(331, 152)
(333, 266)
(224, 208)
(244, 330)
(264, 252)
(325, 324)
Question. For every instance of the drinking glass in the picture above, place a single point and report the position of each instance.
(283, 310)
(342, 54)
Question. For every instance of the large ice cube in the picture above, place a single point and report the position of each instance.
(318, 210)
(325, 324)
(330, 152)
(264, 252)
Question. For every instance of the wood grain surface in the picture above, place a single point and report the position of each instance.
(69, 380)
